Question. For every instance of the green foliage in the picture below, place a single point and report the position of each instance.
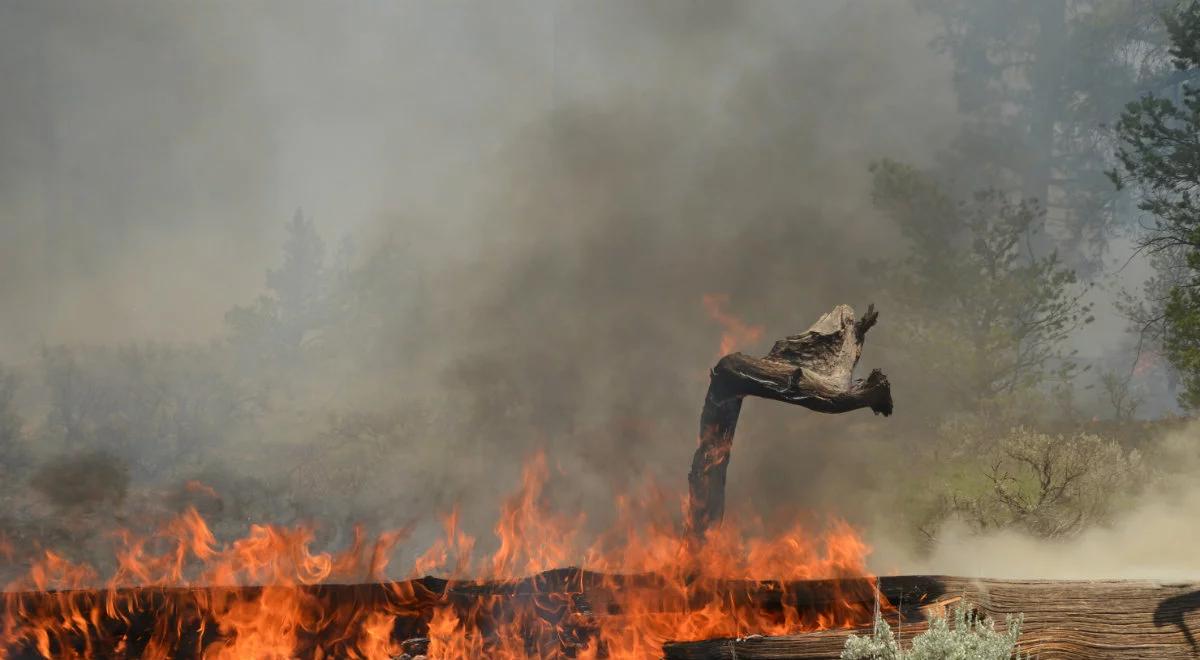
(1181, 341)
(881, 645)
(1184, 30)
(982, 312)
(1049, 485)
(1038, 82)
(968, 637)
(1160, 154)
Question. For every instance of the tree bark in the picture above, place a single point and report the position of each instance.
(814, 369)
(1066, 620)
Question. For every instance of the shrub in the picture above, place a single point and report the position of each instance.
(969, 638)
(990, 476)
(1049, 485)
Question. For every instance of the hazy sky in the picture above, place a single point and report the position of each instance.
(150, 153)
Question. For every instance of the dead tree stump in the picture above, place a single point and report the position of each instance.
(814, 369)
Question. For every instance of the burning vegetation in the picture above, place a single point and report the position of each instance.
(181, 592)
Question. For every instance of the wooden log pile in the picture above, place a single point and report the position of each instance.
(814, 370)
(1072, 620)
(569, 602)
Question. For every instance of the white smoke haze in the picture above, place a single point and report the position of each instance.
(152, 151)
(1152, 538)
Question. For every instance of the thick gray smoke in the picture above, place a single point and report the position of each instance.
(558, 186)
(152, 154)
(690, 149)
(567, 180)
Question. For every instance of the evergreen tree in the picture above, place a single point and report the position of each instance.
(1160, 158)
(1037, 83)
(299, 283)
(295, 306)
(982, 312)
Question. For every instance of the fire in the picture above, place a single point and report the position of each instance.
(736, 333)
(1146, 362)
(269, 595)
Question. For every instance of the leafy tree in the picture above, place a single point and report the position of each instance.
(1037, 81)
(982, 312)
(1159, 155)
(969, 637)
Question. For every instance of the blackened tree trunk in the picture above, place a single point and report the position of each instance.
(814, 369)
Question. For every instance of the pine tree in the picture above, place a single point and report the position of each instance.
(1160, 159)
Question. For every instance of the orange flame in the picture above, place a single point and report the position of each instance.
(269, 595)
(736, 333)
(1146, 361)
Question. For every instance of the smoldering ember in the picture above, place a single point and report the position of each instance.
(381, 329)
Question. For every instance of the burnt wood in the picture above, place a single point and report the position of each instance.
(1063, 619)
(814, 369)
(568, 600)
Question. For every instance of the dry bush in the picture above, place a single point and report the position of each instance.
(967, 636)
(1050, 485)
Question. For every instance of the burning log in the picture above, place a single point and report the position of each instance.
(814, 369)
(563, 609)
(1063, 619)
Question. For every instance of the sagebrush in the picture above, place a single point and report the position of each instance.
(969, 637)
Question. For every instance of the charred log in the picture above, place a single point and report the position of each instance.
(1062, 619)
(564, 606)
(814, 369)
